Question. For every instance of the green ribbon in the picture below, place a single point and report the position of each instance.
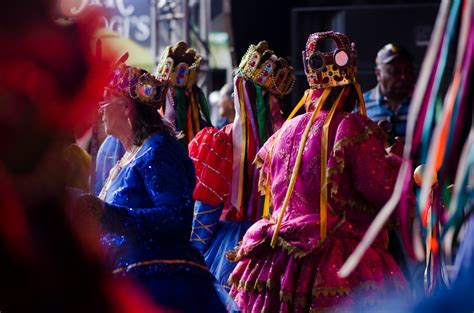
(261, 115)
(181, 110)
(204, 107)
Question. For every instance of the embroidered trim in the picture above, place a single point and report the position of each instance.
(211, 168)
(213, 150)
(235, 256)
(212, 190)
(153, 262)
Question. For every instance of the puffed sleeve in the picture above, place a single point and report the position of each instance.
(211, 152)
(360, 149)
(168, 178)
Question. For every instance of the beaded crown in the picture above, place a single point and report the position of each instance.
(137, 84)
(330, 69)
(179, 65)
(264, 68)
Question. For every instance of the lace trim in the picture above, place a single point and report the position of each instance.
(263, 179)
(234, 256)
(301, 301)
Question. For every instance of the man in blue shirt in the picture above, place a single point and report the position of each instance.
(387, 104)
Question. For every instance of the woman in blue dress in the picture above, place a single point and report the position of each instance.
(145, 207)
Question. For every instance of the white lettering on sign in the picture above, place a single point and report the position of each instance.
(142, 24)
(124, 10)
(137, 27)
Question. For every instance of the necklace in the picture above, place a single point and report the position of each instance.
(128, 157)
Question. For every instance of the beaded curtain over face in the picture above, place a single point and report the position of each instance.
(330, 69)
(264, 68)
(137, 84)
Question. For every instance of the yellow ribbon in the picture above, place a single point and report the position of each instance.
(243, 152)
(296, 168)
(266, 204)
(299, 105)
(362, 109)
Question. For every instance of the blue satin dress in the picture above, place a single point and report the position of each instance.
(147, 225)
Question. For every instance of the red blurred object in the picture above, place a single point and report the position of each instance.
(54, 69)
(131, 298)
(50, 85)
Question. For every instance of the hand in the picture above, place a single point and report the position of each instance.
(397, 147)
(85, 222)
(73, 194)
(90, 204)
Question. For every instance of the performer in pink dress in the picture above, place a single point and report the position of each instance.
(328, 174)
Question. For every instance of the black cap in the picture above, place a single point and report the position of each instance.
(390, 52)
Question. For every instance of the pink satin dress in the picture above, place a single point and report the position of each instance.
(300, 274)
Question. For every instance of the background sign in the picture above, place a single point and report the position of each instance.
(129, 19)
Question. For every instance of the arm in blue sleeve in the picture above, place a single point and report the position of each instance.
(205, 223)
(169, 185)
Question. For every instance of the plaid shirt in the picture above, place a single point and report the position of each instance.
(379, 110)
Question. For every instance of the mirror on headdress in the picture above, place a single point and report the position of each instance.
(316, 61)
(341, 58)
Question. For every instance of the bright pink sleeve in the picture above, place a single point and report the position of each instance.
(360, 145)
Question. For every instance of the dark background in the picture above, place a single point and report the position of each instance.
(370, 24)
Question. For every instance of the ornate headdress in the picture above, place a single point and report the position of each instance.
(179, 65)
(261, 83)
(186, 106)
(137, 83)
(330, 69)
(265, 69)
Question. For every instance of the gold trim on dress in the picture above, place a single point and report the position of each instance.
(153, 262)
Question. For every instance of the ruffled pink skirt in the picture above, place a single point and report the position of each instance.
(274, 280)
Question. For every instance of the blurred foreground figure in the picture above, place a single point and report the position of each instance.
(328, 175)
(49, 84)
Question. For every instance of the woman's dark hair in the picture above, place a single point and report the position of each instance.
(148, 121)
